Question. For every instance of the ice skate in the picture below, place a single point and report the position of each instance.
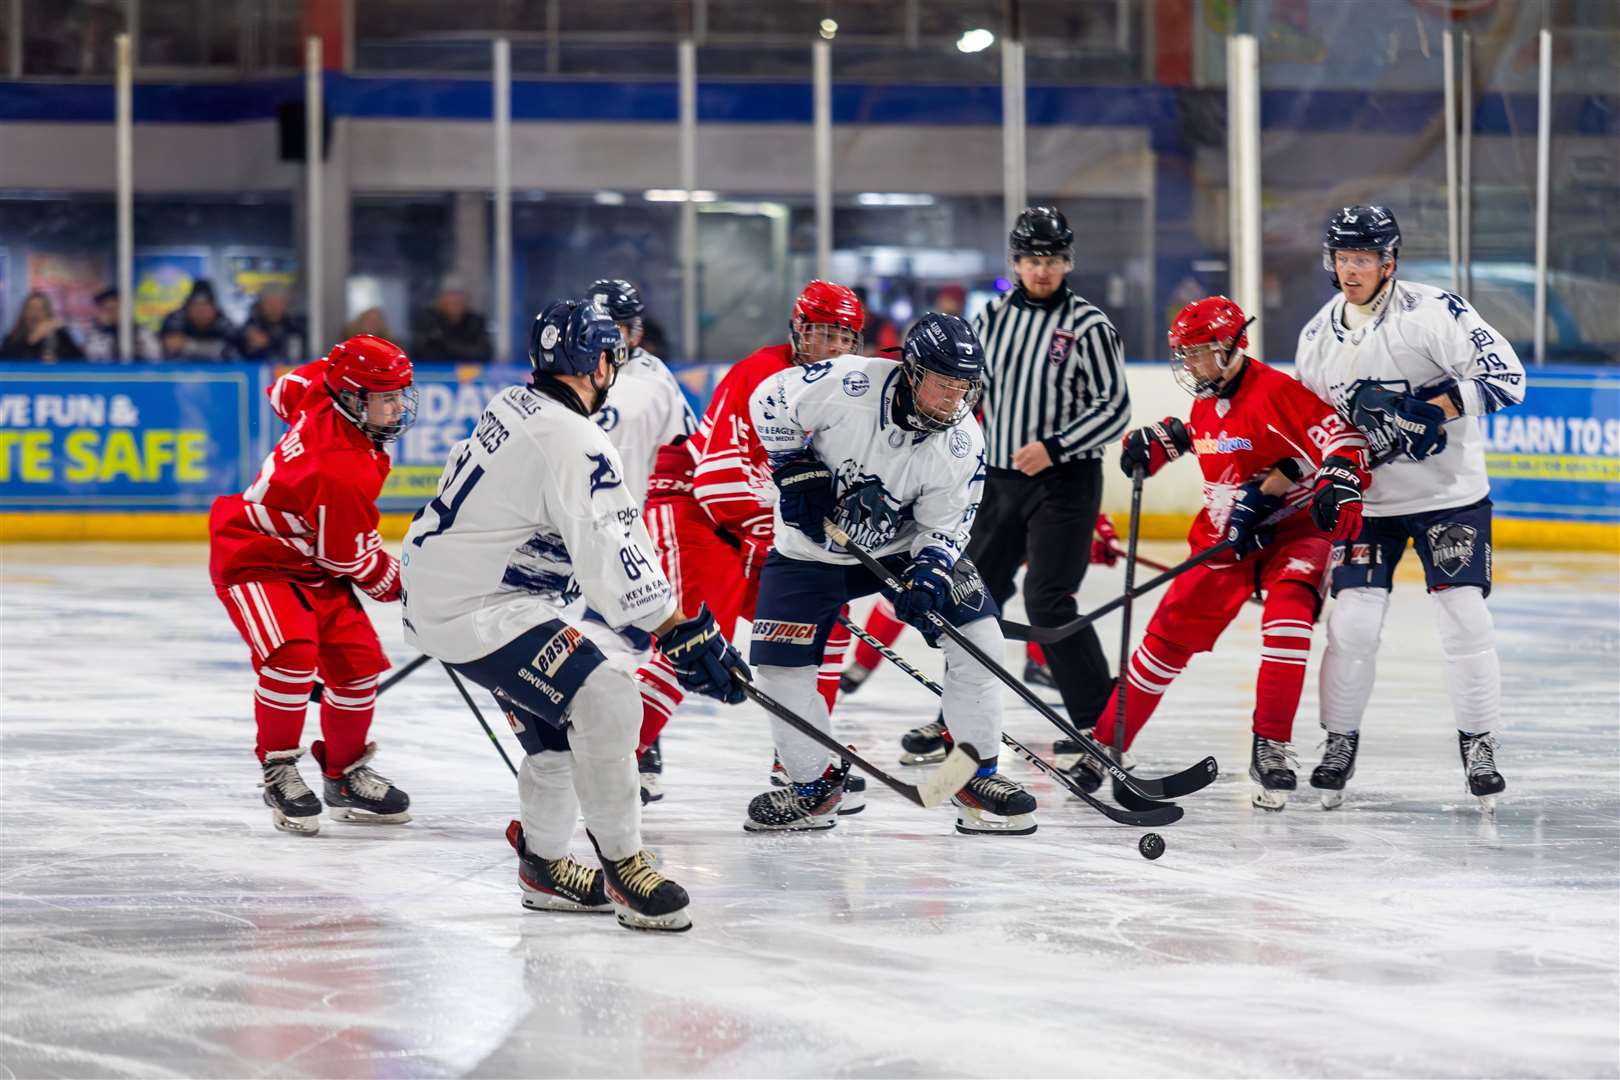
(854, 800)
(1479, 765)
(1038, 674)
(994, 805)
(800, 807)
(642, 898)
(362, 795)
(564, 884)
(853, 678)
(650, 767)
(926, 745)
(1338, 766)
(293, 806)
(1084, 767)
(1271, 767)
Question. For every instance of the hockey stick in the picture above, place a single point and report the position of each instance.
(1154, 564)
(450, 671)
(319, 689)
(1174, 786)
(955, 771)
(1122, 684)
(1152, 815)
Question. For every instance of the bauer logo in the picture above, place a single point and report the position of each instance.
(856, 383)
(785, 633)
(554, 653)
(960, 443)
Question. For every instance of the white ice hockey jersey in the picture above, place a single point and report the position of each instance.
(842, 410)
(1419, 340)
(644, 410)
(532, 514)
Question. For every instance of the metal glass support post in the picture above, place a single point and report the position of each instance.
(124, 154)
(1243, 171)
(1014, 177)
(1543, 191)
(1448, 46)
(502, 87)
(821, 66)
(1465, 186)
(688, 153)
(314, 118)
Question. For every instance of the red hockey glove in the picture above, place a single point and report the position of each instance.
(1336, 504)
(1149, 448)
(1105, 544)
(384, 586)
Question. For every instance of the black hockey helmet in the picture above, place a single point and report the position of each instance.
(618, 297)
(1360, 228)
(1041, 230)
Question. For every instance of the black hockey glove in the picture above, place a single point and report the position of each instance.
(1336, 504)
(1250, 507)
(703, 659)
(1392, 420)
(807, 496)
(1151, 448)
(927, 592)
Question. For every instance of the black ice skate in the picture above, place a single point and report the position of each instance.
(800, 807)
(293, 807)
(853, 678)
(1338, 766)
(926, 745)
(854, 800)
(1479, 765)
(1038, 674)
(1083, 767)
(650, 766)
(643, 898)
(362, 795)
(564, 884)
(1010, 808)
(1271, 767)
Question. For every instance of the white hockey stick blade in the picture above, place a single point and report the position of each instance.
(953, 773)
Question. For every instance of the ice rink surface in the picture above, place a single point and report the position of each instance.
(156, 925)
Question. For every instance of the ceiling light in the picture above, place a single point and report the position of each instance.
(975, 40)
(829, 29)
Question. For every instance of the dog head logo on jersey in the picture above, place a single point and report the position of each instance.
(607, 418)
(1451, 547)
(1059, 348)
(603, 475)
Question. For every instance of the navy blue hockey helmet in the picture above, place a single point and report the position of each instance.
(943, 363)
(618, 297)
(569, 337)
(1360, 228)
(1041, 230)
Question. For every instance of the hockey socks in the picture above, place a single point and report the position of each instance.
(1285, 648)
(1154, 666)
(346, 711)
(281, 699)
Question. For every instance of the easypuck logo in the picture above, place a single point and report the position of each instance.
(786, 633)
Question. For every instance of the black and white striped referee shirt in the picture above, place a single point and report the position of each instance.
(1054, 373)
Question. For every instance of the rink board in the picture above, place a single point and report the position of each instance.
(137, 452)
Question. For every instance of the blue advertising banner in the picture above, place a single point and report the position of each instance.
(86, 437)
(450, 398)
(1557, 456)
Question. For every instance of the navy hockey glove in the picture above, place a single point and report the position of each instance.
(1151, 448)
(869, 514)
(807, 496)
(1392, 420)
(1250, 508)
(1336, 505)
(927, 592)
(703, 659)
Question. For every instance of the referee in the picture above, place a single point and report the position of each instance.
(1054, 396)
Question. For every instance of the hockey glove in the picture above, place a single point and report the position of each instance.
(807, 496)
(1392, 420)
(927, 592)
(704, 660)
(1104, 542)
(1150, 448)
(1250, 508)
(1336, 505)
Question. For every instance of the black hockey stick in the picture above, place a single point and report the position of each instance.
(955, 771)
(1176, 785)
(1154, 564)
(1122, 684)
(319, 689)
(1153, 815)
(450, 671)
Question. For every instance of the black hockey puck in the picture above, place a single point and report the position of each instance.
(1151, 845)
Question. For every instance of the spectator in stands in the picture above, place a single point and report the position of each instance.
(199, 331)
(101, 337)
(371, 321)
(881, 336)
(272, 331)
(950, 300)
(450, 331)
(38, 335)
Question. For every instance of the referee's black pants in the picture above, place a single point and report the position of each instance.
(1047, 520)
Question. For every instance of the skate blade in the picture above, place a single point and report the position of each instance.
(853, 802)
(652, 787)
(674, 922)
(1331, 799)
(1270, 800)
(818, 823)
(974, 822)
(298, 826)
(932, 757)
(540, 900)
(365, 817)
(1487, 804)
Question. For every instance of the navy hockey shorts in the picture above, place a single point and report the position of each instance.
(799, 600)
(1453, 545)
(535, 677)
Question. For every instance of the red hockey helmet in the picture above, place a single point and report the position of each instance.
(371, 381)
(1213, 327)
(836, 311)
